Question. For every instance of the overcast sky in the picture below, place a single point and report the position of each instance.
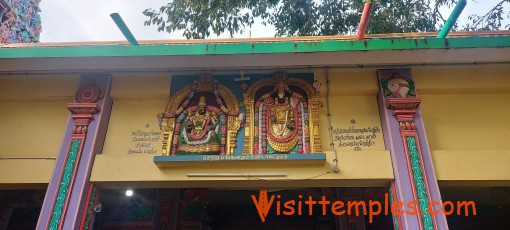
(89, 20)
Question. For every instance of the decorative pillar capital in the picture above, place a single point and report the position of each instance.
(82, 114)
(404, 109)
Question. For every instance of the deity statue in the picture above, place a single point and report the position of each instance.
(282, 114)
(201, 118)
(282, 135)
(200, 130)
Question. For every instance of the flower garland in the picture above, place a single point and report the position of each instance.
(201, 135)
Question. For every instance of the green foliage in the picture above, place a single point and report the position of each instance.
(201, 18)
(397, 16)
(492, 20)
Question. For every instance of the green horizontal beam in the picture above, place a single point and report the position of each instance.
(253, 48)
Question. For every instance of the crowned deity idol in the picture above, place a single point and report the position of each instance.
(199, 134)
(281, 116)
(282, 113)
(282, 125)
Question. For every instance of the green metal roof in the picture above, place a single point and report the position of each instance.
(252, 47)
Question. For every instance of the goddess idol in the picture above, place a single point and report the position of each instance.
(200, 119)
(200, 132)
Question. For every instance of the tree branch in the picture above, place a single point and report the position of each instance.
(480, 19)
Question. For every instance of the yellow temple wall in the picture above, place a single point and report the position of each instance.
(353, 103)
(353, 97)
(33, 118)
(465, 110)
(137, 99)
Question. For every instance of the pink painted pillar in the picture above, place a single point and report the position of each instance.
(405, 138)
(67, 204)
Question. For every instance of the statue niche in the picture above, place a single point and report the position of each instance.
(200, 119)
(281, 116)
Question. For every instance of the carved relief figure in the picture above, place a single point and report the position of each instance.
(281, 115)
(200, 119)
(283, 133)
(284, 113)
(201, 129)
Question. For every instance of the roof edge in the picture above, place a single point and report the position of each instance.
(252, 48)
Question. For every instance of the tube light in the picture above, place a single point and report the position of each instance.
(236, 174)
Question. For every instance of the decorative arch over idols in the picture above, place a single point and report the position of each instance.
(200, 119)
(282, 116)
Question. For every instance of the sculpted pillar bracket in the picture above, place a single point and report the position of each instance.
(411, 158)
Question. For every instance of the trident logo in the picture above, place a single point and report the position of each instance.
(262, 204)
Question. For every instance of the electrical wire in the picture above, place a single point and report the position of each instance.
(336, 169)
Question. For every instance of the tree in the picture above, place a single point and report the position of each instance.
(201, 18)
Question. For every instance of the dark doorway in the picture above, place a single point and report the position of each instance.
(19, 209)
(205, 209)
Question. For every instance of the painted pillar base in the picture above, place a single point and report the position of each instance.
(69, 191)
(405, 137)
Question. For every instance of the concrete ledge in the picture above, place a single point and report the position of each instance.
(25, 173)
(357, 169)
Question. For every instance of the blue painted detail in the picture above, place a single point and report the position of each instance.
(179, 81)
(240, 136)
(240, 158)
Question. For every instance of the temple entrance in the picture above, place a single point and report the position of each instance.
(204, 209)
